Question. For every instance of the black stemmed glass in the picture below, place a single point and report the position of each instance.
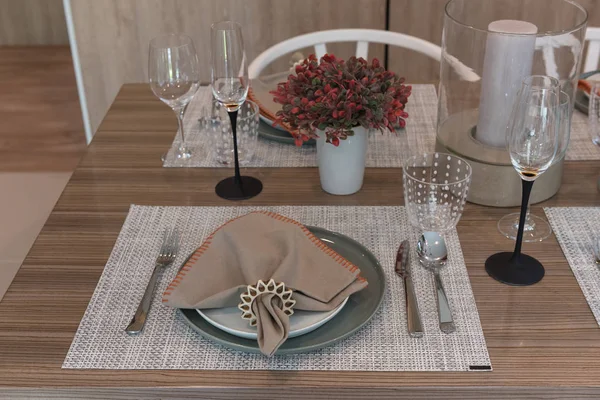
(537, 228)
(230, 85)
(533, 139)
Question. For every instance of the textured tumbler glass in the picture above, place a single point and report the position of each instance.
(435, 190)
(218, 128)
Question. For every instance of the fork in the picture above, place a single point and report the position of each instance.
(166, 256)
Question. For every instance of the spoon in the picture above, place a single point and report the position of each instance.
(433, 255)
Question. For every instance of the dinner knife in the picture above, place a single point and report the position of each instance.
(413, 318)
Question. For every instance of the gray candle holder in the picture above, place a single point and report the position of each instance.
(480, 72)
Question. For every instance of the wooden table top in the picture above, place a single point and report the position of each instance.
(543, 340)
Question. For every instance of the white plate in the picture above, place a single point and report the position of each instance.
(301, 322)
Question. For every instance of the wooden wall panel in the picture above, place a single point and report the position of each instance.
(32, 22)
(424, 19)
(113, 35)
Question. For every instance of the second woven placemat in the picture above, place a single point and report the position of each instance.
(383, 150)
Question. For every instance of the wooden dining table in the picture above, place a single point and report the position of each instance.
(543, 340)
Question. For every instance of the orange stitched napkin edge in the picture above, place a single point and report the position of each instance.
(315, 240)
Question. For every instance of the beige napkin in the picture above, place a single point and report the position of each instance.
(264, 246)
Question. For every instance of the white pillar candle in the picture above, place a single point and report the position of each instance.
(508, 59)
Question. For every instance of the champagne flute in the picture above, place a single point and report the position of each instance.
(230, 85)
(174, 77)
(537, 228)
(533, 141)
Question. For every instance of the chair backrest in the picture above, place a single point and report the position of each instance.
(362, 37)
(592, 36)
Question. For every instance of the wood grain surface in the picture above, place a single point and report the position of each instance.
(113, 35)
(32, 22)
(543, 340)
(41, 129)
(425, 19)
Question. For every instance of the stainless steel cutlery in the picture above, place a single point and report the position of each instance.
(433, 255)
(415, 327)
(166, 256)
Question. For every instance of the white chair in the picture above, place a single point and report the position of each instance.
(592, 36)
(363, 37)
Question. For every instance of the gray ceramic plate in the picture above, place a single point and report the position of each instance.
(358, 311)
(270, 133)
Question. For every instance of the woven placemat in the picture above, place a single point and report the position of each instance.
(581, 147)
(389, 150)
(169, 343)
(383, 150)
(575, 228)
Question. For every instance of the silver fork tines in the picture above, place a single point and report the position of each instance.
(166, 256)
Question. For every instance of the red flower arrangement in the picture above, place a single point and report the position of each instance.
(335, 96)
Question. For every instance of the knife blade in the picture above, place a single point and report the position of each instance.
(413, 318)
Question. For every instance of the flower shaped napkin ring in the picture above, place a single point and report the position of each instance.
(254, 291)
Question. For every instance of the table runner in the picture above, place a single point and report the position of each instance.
(575, 228)
(389, 150)
(383, 150)
(169, 343)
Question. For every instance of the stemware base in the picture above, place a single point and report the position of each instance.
(521, 271)
(247, 188)
(536, 228)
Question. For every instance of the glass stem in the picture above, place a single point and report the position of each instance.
(179, 112)
(527, 185)
(529, 222)
(233, 119)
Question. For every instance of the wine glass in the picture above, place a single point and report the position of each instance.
(230, 85)
(174, 77)
(537, 228)
(594, 113)
(533, 141)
